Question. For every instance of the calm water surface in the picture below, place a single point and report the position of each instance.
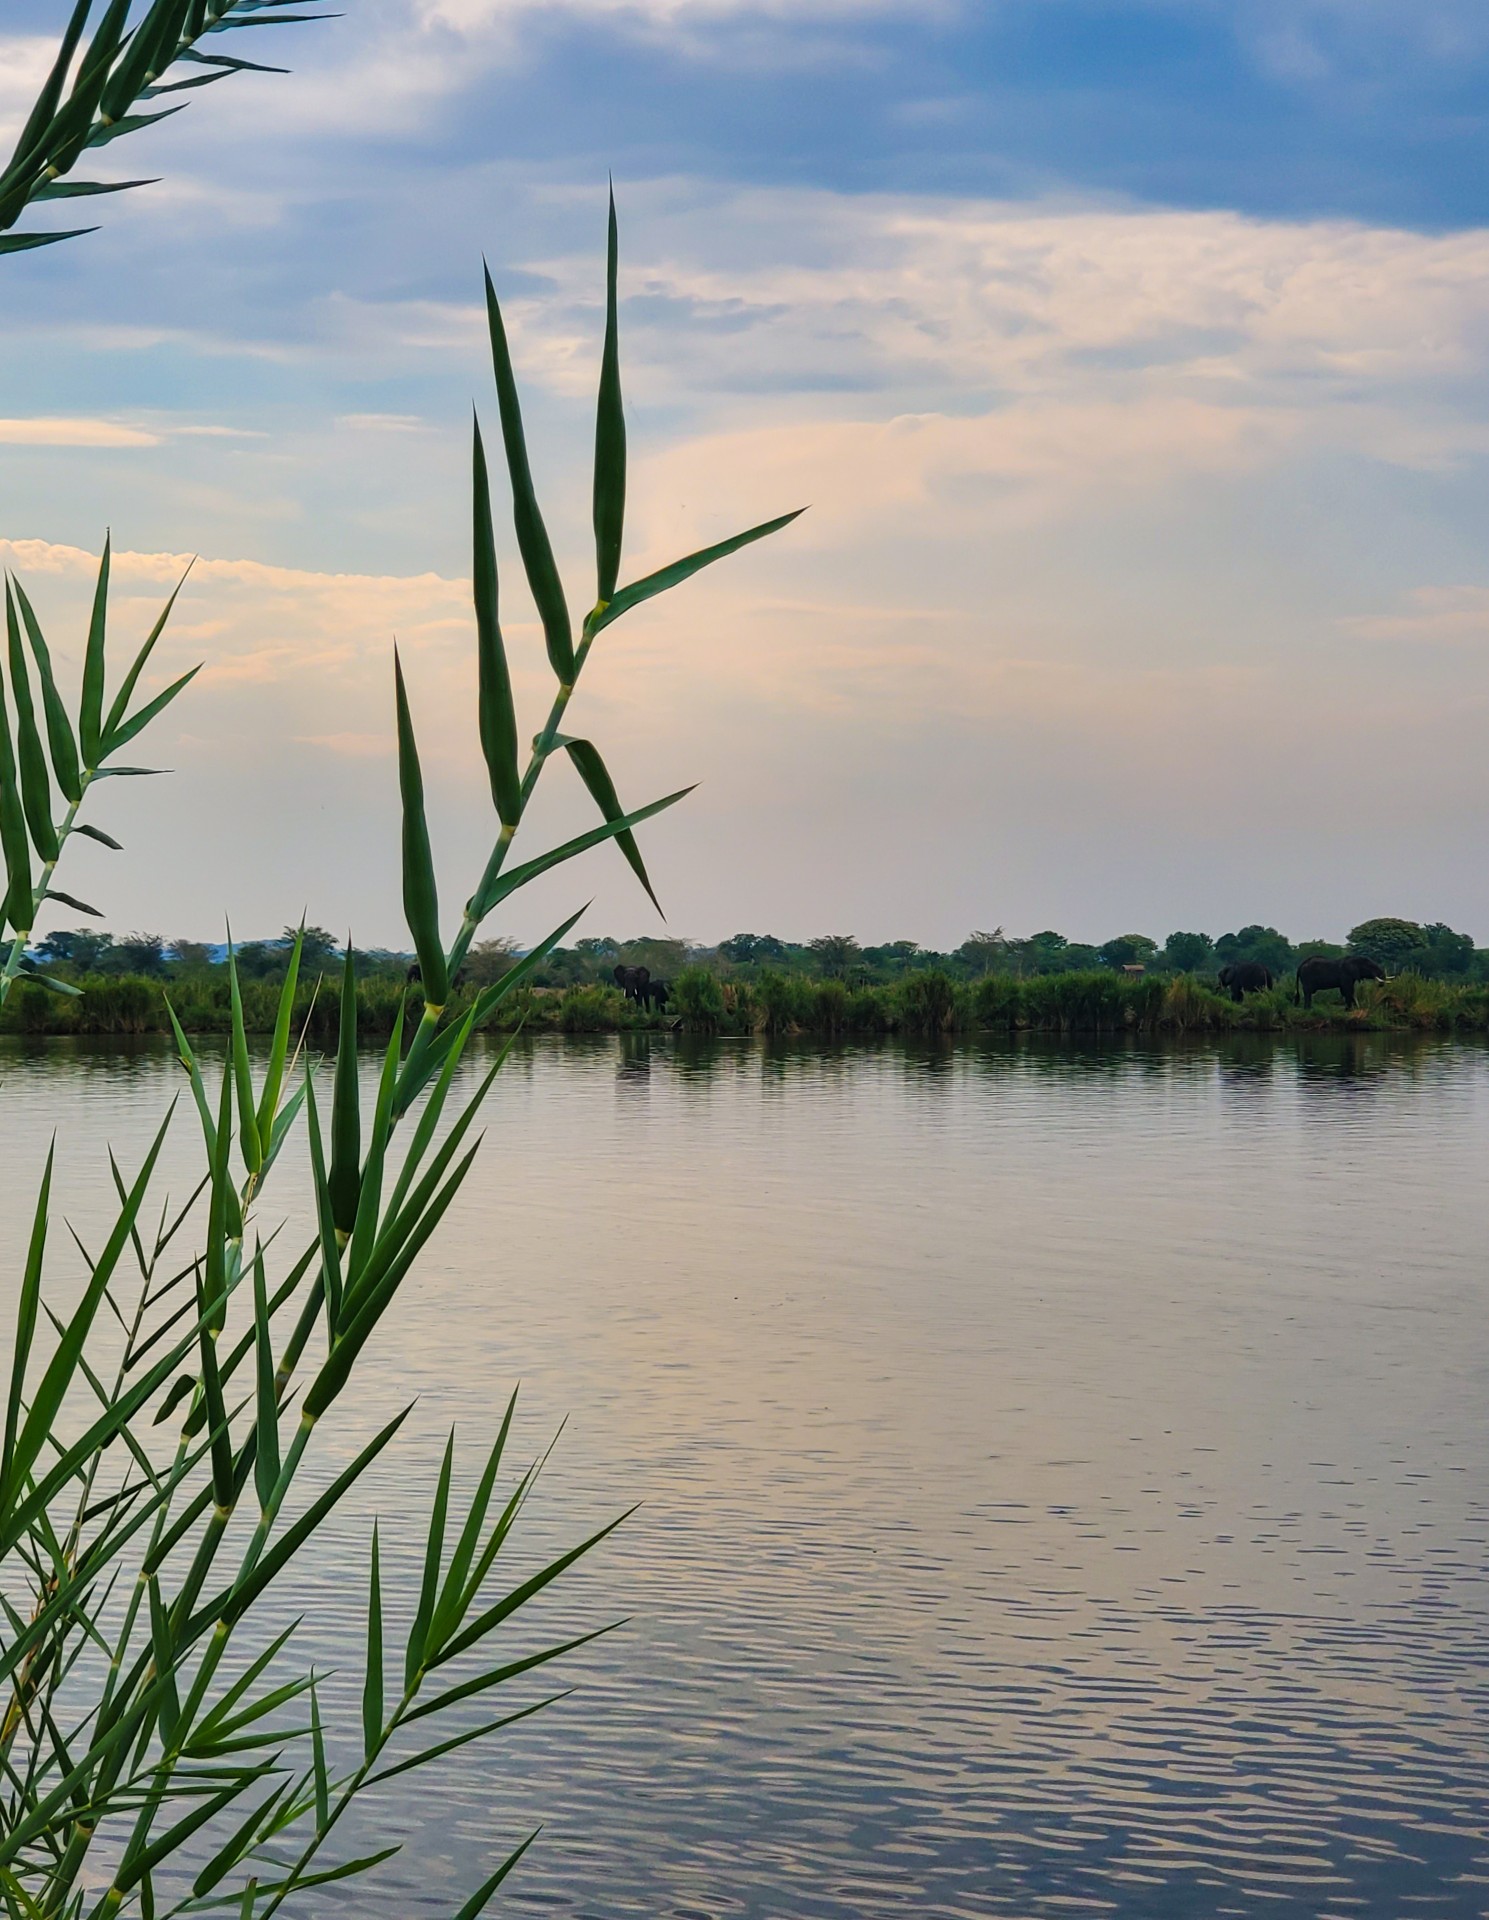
(1064, 1473)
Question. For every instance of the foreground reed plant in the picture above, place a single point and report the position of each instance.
(160, 1754)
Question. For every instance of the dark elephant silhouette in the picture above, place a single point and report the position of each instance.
(655, 995)
(1318, 974)
(1246, 976)
(633, 982)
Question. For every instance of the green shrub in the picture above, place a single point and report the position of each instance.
(699, 999)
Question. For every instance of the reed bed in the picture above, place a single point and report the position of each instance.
(704, 1002)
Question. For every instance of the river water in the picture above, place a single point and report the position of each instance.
(1064, 1472)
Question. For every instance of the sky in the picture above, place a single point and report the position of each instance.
(1132, 360)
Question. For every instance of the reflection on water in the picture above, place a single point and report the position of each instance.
(1063, 1471)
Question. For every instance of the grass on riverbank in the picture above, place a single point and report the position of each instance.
(921, 1003)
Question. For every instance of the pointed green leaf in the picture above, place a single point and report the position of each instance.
(532, 536)
(346, 1109)
(498, 714)
(480, 1900)
(279, 1048)
(90, 712)
(59, 727)
(36, 788)
(372, 1688)
(593, 772)
(325, 1217)
(266, 1427)
(248, 1131)
(15, 842)
(98, 834)
(139, 721)
(503, 884)
(610, 435)
(680, 570)
(420, 896)
(26, 1311)
(433, 1555)
(71, 900)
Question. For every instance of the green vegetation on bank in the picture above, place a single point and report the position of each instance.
(705, 1000)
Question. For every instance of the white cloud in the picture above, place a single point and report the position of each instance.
(74, 432)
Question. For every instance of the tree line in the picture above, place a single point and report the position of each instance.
(1432, 950)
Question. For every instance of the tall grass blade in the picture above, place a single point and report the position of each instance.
(372, 1687)
(497, 712)
(90, 710)
(532, 536)
(14, 838)
(434, 1549)
(595, 775)
(420, 895)
(59, 728)
(279, 1046)
(514, 877)
(346, 1108)
(680, 570)
(26, 1309)
(481, 1898)
(610, 434)
(36, 788)
(249, 1141)
(266, 1423)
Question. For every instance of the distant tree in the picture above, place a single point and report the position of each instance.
(1394, 943)
(598, 947)
(834, 954)
(1188, 952)
(82, 949)
(665, 958)
(753, 949)
(318, 948)
(261, 959)
(1127, 950)
(1318, 950)
(1263, 945)
(138, 953)
(1449, 955)
(1041, 953)
(191, 956)
(488, 960)
(982, 953)
(894, 958)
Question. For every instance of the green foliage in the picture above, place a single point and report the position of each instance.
(699, 999)
(156, 1474)
(1188, 953)
(1263, 945)
(1128, 950)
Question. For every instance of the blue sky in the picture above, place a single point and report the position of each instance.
(1133, 358)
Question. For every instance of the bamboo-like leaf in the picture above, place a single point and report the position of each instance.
(215, 1723)
(372, 1687)
(131, 123)
(172, 1841)
(165, 1663)
(420, 895)
(499, 1676)
(181, 1390)
(346, 1109)
(212, 1401)
(532, 536)
(465, 1739)
(610, 434)
(59, 727)
(25, 242)
(266, 1425)
(446, 1616)
(680, 570)
(318, 1755)
(71, 900)
(40, 117)
(36, 788)
(219, 1208)
(85, 189)
(15, 842)
(90, 712)
(497, 712)
(249, 1142)
(279, 1047)
(492, 1618)
(139, 721)
(434, 1550)
(480, 1900)
(52, 1389)
(369, 1197)
(26, 1310)
(325, 1217)
(234, 1601)
(507, 882)
(98, 834)
(238, 1843)
(595, 775)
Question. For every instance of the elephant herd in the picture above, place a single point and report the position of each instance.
(637, 984)
(1315, 975)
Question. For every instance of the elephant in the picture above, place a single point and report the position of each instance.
(1246, 976)
(655, 995)
(1318, 974)
(633, 982)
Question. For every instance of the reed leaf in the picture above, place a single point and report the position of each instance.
(532, 536)
(90, 710)
(420, 895)
(595, 775)
(60, 737)
(346, 1108)
(610, 434)
(36, 788)
(497, 712)
(652, 584)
